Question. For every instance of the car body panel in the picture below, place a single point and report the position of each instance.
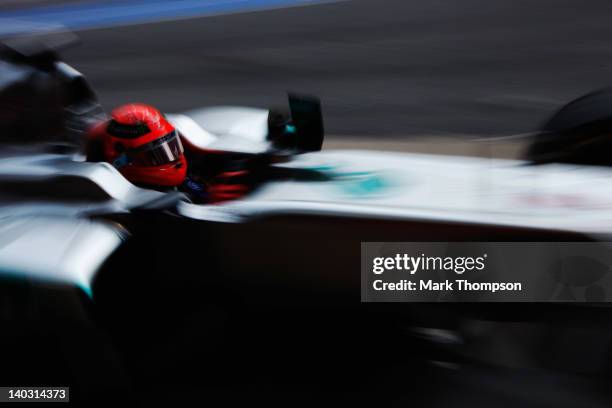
(361, 183)
(443, 188)
(55, 249)
(227, 129)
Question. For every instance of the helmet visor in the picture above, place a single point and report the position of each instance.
(166, 149)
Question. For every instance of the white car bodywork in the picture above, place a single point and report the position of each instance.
(407, 186)
(356, 184)
(56, 249)
(440, 188)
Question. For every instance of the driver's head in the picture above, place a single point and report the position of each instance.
(143, 146)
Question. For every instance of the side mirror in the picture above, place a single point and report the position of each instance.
(307, 118)
(299, 131)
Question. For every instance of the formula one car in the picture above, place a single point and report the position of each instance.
(152, 267)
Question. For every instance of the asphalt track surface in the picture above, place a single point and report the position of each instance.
(395, 68)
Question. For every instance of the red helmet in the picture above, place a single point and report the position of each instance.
(142, 145)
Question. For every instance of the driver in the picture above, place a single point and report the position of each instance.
(147, 150)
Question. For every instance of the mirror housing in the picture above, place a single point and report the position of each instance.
(301, 130)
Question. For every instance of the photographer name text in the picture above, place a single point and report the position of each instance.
(422, 263)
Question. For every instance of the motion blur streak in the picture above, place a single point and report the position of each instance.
(396, 68)
(108, 13)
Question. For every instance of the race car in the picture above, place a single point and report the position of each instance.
(163, 267)
(555, 193)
